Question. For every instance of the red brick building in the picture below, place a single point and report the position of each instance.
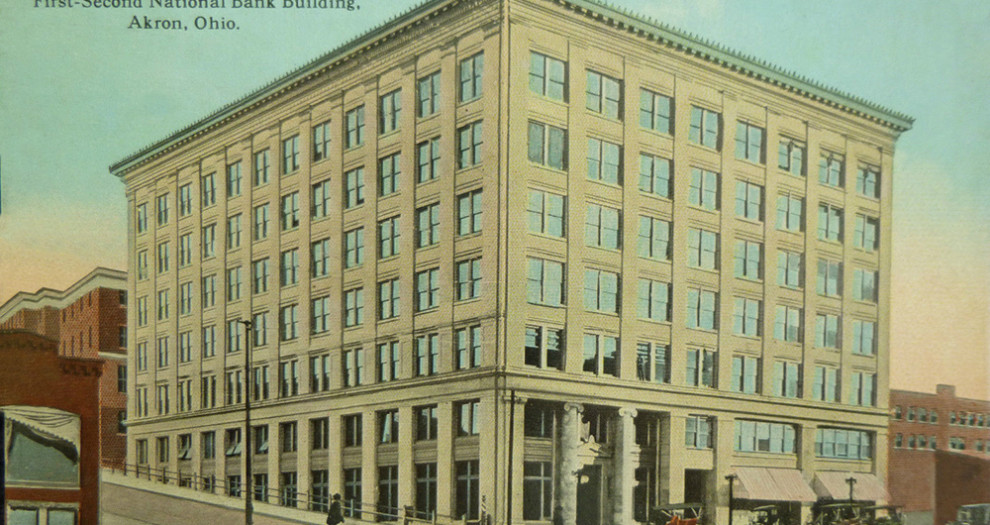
(939, 454)
(49, 424)
(88, 320)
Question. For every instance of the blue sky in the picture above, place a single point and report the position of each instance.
(79, 91)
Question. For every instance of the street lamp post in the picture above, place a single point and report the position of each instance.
(732, 481)
(248, 495)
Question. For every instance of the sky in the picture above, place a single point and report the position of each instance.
(79, 91)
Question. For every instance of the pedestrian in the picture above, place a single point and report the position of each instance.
(336, 514)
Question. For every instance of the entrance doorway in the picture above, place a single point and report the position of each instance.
(589, 495)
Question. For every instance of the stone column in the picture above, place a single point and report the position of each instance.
(570, 438)
(624, 465)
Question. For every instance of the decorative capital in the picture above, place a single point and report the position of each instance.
(627, 412)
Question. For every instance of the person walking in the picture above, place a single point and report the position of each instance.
(336, 514)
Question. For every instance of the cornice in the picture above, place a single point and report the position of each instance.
(47, 297)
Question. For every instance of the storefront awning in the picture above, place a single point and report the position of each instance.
(50, 422)
(773, 484)
(835, 485)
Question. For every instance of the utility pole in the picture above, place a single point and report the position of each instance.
(851, 481)
(732, 481)
(248, 493)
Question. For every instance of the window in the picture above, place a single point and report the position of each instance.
(352, 492)
(761, 436)
(827, 331)
(470, 70)
(749, 201)
(428, 95)
(208, 190)
(547, 145)
(142, 311)
(319, 373)
(426, 423)
(654, 300)
(469, 145)
(468, 285)
(185, 200)
(290, 154)
(705, 127)
(353, 367)
(911, 413)
(261, 222)
(653, 362)
(702, 309)
(233, 283)
(388, 237)
(467, 414)
(468, 341)
(388, 299)
(843, 444)
(208, 392)
(829, 282)
(185, 250)
(389, 111)
(321, 141)
(428, 160)
(161, 400)
(388, 361)
(745, 374)
(290, 211)
(545, 282)
(749, 260)
(469, 213)
(830, 169)
(826, 384)
(320, 315)
(790, 213)
(653, 241)
(544, 347)
(141, 218)
(604, 161)
(789, 269)
(746, 317)
(655, 111)
(749, 142)
(601, 355)
(235, 329)
(354, 188)
(352, 430)
(787, 325)
(604, 95)
(354, 135)
(427, 289)
(865, 234)
(601, 228)
(864, 339)
(162, 446)
(868, 181)
(142, 265)
(163, 257)
(698, 432)
(700, 369)
(537, 490)
(289, 269)
(353, 307)
(353, 248)
(209, 341)
(288, 435)
(865, 285)
(260, 385)
(790, 157)
(259, 276)
(428, 225)
(141, 403)
(702, 249)
(259, 439)
(388, 426)
(289, 322)
(703, 191)
(829, 223)
(654, 175)
(389, 173)
(547, 76)
(786, 379)
(320, 258)
(209, 241)
(321, 200)
(185, 298)
(545, 213)
(427, 355)
(288, 489)
(161, 207)
(426, 490)
(320, 432)
(601, 291)
(234, 180)
(185, 347)
(262, 163)
(467, 500)
(538, 420)
(162, 304)
(862, 389)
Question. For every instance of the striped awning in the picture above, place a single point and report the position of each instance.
(835, 485)
(51, 422)
(773, 484)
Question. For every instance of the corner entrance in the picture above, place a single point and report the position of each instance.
(589, 495)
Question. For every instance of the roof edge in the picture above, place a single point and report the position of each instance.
(50, 297)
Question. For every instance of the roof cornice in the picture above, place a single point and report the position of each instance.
(47, 297)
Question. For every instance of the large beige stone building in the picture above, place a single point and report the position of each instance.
(519, 257)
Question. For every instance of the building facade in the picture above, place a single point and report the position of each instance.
(88, 320)
(524, 258)
(50, 431)
(939, 453)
